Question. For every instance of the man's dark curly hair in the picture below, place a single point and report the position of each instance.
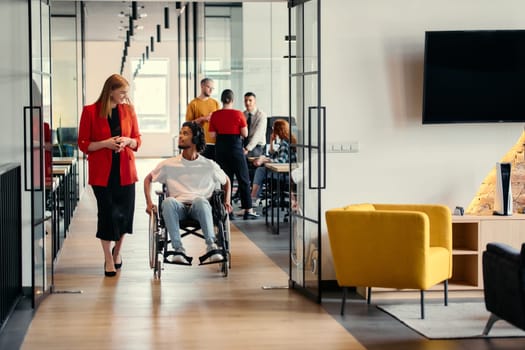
(198, 135)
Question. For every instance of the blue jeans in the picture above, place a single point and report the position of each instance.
(259, 177)
(174, 211)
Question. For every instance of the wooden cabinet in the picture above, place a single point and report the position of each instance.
(470, 235)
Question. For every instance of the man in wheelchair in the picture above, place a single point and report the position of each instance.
(190, 179)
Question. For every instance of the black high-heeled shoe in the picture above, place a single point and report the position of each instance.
(119, 265)
(109, 273)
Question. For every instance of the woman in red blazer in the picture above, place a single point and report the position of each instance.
(109, 135)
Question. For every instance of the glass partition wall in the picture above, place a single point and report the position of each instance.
(212, 43)
(241, 47)
(37, 124)
(309, 173)
(271, 49)
(64, 47)
(223, 51)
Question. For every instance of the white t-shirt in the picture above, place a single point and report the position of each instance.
(189, 179)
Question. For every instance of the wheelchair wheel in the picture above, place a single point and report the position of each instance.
(156, 256)
(224, 268)
(158, 265)
(223, 241)
(153, 239)
(227, 240)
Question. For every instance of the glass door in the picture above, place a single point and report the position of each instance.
(37, 126)
(308, 175)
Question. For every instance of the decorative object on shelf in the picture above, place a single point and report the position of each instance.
(459, 211)
(483, 201)
(503, 196)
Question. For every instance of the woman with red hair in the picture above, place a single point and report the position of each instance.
(109, 135)
(285, 154)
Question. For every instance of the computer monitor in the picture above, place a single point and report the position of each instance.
(67, 138)
(67, 135)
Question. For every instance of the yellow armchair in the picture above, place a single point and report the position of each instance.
(391, 246)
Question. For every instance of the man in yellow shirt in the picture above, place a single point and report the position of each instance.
(200, 109)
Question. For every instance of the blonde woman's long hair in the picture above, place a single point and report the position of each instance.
(115, 81)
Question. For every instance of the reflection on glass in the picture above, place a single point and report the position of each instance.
(305, 270)
(39, 260)
(150, 95)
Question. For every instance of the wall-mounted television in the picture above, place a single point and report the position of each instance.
(474, 76)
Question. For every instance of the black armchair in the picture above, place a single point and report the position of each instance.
(504, 284)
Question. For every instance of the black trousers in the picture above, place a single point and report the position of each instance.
(209, 151)
(230, 156)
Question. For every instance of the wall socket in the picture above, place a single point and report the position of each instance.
(347, 147)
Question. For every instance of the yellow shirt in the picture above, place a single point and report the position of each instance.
(198, 108)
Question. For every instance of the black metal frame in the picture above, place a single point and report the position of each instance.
(320, 147)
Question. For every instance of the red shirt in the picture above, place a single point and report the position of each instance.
(94, 128)
(227, 122)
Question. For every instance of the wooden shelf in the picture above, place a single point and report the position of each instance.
(470, 235)
(464, 252)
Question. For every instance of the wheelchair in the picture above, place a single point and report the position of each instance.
(159, 241)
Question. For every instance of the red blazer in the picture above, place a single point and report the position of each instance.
(94, 128)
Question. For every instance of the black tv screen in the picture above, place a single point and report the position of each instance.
(474, 76)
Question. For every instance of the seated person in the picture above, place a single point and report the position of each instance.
(190, 179)
(285, 154)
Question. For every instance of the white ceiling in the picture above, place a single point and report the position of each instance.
(108, 20)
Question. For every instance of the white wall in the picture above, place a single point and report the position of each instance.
(372, 72)
(14, 95)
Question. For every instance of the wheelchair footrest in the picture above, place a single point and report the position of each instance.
(178, 258)
(206, 259)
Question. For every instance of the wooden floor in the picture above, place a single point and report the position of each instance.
(189, 308)
(196, 308)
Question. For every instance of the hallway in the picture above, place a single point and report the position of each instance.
(196, 308)
(189, 308)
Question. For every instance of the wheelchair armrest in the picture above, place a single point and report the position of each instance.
(217, 204)
(218, 191)
(161, 195)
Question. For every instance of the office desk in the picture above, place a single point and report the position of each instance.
(53, 205)
(63, 173)
(73, 169)
(278, 171)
